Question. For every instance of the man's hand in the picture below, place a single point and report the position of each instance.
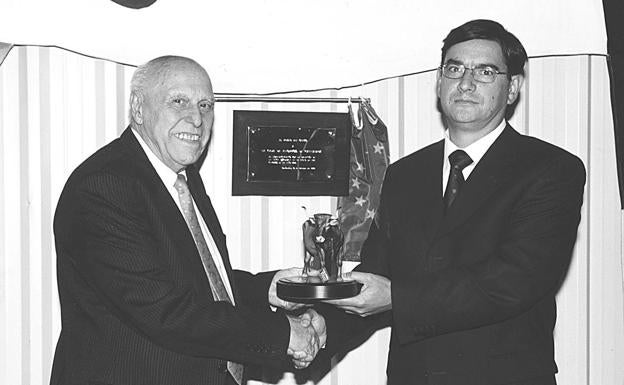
(307, 336)
(375, 296)
(313, 318)
(274, 299)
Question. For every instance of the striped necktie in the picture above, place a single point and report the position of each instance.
(217, 286)
(459, 160)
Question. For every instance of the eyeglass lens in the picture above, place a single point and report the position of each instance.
(484, 74)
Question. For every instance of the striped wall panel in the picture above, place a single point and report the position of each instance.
(56, 108)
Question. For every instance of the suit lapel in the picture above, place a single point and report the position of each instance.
(210, 217)
(427, 189)
(496, 168)
(161, 202)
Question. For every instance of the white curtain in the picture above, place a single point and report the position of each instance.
(56, 108)
(276, 45)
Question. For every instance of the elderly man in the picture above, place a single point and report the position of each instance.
(147, 292)
(474, 233)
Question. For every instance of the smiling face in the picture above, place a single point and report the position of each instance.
(174, 113)
(472, 109)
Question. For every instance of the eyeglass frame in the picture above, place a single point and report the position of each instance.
(463, 72)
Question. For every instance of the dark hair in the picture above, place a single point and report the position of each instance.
(513, 52)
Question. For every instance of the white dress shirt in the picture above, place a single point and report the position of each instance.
(475, 150)
(169, 177)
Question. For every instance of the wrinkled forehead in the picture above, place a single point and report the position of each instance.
(183, 77)
(476, 52)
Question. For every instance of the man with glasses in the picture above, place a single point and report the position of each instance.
(473, 235)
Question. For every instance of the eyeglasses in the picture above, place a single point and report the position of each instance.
(482, 74)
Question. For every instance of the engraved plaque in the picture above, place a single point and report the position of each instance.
(284, 153)
(290, 153)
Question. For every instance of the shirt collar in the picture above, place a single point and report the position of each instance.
(167, 175)
(477, 149)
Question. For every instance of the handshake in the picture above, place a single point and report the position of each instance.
(308, 332)
(307, 336)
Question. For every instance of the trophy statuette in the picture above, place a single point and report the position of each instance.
(322, 271)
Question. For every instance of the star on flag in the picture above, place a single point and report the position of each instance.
(368, 161)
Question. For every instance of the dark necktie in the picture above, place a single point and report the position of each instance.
(459, 160)
(217, 286)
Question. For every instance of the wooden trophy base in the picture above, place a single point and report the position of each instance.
(312, 289)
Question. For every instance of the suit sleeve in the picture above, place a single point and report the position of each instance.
(254, 288)
(113, 247)
(531, 258)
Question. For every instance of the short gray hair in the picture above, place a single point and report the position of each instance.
(153, 70)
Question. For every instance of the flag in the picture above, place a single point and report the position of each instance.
(370, 157)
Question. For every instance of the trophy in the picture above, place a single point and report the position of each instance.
(322, 270)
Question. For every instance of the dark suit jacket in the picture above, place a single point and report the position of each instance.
(136, 304)
(473, 292)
